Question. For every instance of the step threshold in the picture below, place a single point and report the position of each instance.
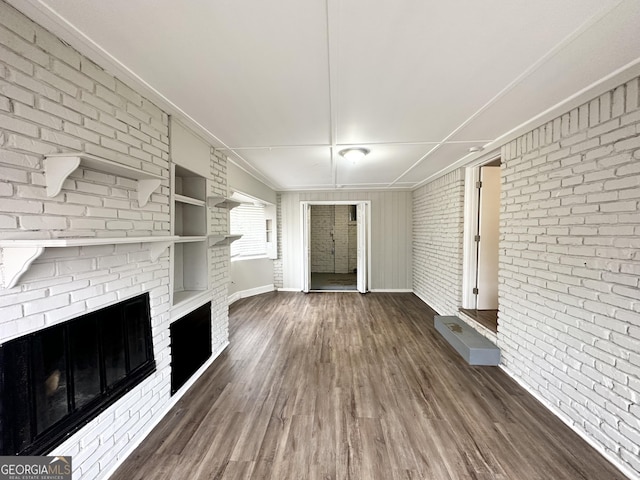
(471, 345)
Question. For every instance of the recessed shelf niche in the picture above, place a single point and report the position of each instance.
(190, 266)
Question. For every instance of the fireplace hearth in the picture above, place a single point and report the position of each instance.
(54, 381)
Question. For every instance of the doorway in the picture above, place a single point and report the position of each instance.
(482, 237)
(335, 245)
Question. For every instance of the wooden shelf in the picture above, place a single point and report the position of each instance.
(216, 240)
(58, 167)
(222, 202)
(18, 255)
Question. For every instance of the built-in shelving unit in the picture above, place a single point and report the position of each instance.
(58, 167)
(18, 255)
(190, 265)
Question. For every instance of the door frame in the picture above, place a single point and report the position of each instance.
(469, 246)
(364, 278)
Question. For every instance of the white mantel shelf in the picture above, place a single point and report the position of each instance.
(18, 255)
(58, 167)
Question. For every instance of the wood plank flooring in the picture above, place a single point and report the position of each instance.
(486, 318)
(361, 387)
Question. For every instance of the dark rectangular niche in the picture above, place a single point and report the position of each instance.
(190, 345)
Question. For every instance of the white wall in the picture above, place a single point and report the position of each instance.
(569, 267)
(569, 319)
(438, 220)
(250, 277)
(390, 230)
(52, 99)
(241, 181)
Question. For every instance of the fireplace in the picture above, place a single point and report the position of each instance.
(54, 381)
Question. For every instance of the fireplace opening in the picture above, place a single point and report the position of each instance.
(190, 345)
(54, 381)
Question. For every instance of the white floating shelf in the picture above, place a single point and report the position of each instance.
(58, 167)
(18, 255)
(215, 240)
(191, 238)
(189, 200)
(222, 202)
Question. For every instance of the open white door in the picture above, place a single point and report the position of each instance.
(363, 243)
(306, 246)
(489, 239)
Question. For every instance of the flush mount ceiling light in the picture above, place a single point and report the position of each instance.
(354, 154)
(475, 149)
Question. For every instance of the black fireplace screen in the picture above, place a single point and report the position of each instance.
(54, 381)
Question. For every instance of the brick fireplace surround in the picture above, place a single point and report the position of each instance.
(569, 327)
(52, 100)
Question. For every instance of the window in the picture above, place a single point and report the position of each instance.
(249, 221)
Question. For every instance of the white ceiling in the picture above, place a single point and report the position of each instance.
(283, 85)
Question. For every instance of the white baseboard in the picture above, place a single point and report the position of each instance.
(373, 290)
(391, 290)
(425, 301)
(250, 292)
(564, 419)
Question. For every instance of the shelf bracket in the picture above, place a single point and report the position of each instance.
(56, 172)
(145, 188)
(156, 249)
(217, 240)
(16, 261)
(58, 167)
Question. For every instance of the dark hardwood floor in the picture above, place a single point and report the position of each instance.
(361, 387)
(486, 318)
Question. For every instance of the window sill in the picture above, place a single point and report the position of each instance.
(249, 257)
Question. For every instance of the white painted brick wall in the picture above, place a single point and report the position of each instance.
(569, 320)
(278, 273)
(438, 219)
(331, 242)
(52, 99)
(219, 256)
(341, 233)
(322, 241)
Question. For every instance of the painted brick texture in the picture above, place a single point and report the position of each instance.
(334, 241)
(569, 319)
(52, 99)
(219, 256)
(323, 245)
(438, 220)
(278, 272)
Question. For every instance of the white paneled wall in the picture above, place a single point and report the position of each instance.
(391, 228)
